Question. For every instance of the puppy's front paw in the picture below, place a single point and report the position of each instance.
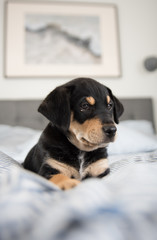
(68, 184)
(64, 182)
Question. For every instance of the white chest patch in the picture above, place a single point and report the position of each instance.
(81, 160)
(94, 169)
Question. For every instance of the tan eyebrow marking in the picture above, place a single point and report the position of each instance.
(90, 100)
(108, 99)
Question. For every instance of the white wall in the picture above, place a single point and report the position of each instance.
(138, 39)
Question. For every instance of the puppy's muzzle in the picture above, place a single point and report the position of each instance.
(110, 131)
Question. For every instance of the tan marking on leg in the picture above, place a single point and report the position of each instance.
(63, 168)
(64, 182)
(108, 99)
(96, 168)
(90, 100)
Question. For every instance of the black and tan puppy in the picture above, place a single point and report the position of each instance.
(82, 115)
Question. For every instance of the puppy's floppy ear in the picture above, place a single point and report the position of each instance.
(56, 108)
(118, 107)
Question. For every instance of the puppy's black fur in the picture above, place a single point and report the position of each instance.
(82, 115)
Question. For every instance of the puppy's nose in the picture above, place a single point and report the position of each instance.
(110, 131)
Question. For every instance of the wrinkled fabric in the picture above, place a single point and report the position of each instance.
(121, 206)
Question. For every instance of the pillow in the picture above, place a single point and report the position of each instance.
(17, 141)
(133, 137)
(143, 126)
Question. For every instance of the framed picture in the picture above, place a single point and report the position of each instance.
(61, 40)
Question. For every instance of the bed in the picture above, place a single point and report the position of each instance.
(121, 206)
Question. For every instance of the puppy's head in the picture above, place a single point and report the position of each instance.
(86, 111)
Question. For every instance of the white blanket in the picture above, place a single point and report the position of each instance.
(121, 206)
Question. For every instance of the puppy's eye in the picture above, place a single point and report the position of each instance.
(84, 106)
(109, 106)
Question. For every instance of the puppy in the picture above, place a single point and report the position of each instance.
(73, 147)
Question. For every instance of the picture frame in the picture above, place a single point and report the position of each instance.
(56, 39)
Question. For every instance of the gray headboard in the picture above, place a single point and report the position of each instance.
(24, 113)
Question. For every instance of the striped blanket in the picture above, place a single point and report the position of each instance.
(121, 206)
